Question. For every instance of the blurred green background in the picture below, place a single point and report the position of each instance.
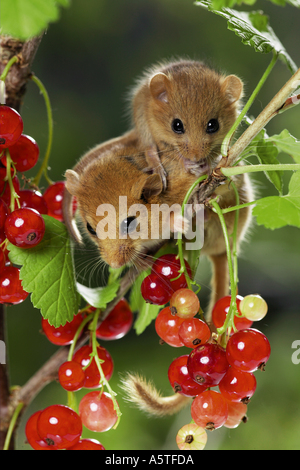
(88, 61)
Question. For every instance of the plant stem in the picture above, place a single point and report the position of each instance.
(228, 137)
(179, 236)
(232, 275)
(240, 206)
(44, 166)
(271, 110)
(232, 171)
(234, 236)
(12, 425)
(13, 195)
(12, 61)
(77, 334)
(103, 380)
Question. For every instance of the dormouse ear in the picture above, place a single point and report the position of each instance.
(72, 181)
(158, 87)
(148, 188)
(233, 88)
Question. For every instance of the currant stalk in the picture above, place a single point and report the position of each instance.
(232, 267)
(228, 137)
(183, 268)
(98, 361)
(14, 197)
(44, 166)
(12, 425)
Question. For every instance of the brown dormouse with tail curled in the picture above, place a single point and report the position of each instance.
(181, 112)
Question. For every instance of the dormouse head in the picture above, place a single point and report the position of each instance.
(114, 201)
(191, 109)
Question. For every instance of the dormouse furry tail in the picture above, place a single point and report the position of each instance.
(145, 396)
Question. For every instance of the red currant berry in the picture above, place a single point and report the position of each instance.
(237, 386)
(221, 309)
(92, 374)
(71, 376)
(248, 350)
(11, 126)
(11, 290)
(185, 303)
(24, 228)
(2, 260)
(180, 379)
(87, 444)
(167, 325)
(59, 426)
(194, 332)
(156, 289)
(33, 438)
(33, 200)
(169, 266)
(63, 335)
(237, 412)
(24, 153)
(3, 214)
(209, 410)
(118, 322)
(54, 197)
(97, 411)
(207, 364)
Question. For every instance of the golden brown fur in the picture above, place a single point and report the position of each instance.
(185, 90)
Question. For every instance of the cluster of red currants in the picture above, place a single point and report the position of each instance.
(209, 365)
(21, 210)
(53, 428)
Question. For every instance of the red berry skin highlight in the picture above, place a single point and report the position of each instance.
(237, 386)
(209, 410)
(247, 350)
(156, 290)
(167, 327)
(11, 290)
(32, 436)
(60, 426)
(180, 379)
(24, 228)
(207, 364)
(97, 411)
(11, 126)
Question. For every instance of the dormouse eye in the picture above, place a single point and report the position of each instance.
(128, 225)
(212, 126)
(90, 229)
(178, 127)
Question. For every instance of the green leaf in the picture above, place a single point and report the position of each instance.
(99, 297)
(278, 211)
(294, 3)
(136, 300)
(287, 144)
(267, 154)
(254, 30)
(24, 19)
(218, 4)
(146, 315)
(47, 273)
